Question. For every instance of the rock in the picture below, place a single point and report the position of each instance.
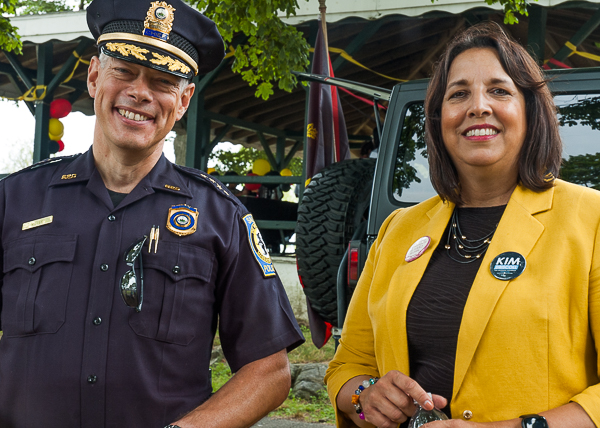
(295, 369)
(309, 380)
(216, 355)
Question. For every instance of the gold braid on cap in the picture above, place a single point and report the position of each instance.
(151, 42)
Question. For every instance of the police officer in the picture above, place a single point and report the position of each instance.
(119, 266)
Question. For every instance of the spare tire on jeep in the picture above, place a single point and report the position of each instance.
(333, 206)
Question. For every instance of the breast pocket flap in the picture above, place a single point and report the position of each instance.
(34, 252)
(190, 262)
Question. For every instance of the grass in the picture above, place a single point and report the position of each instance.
(308, 352)
(317, 409)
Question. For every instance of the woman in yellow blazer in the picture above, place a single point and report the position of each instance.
(529, 329)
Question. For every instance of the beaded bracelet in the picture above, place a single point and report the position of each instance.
(355, 397)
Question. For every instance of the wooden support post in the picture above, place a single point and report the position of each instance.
(218, 137)
(291, 154)
(202, 160)
(41, 142)
(579, 36)
(195, 114)
(536, 33)
(22, 89)
(267, 150)
(67, 67)
(280, 154)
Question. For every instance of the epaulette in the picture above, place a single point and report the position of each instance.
(44, 162)
(219, 187)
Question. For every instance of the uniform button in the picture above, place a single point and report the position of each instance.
(467, 414)
(111, 218)
(31, 261)
(104, 267)
(92, 378)
(97, 321)
(176, 269)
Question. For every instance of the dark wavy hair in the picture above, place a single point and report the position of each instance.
(540, 157)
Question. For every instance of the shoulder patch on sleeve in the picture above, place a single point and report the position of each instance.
(258, 247)
(208, 179)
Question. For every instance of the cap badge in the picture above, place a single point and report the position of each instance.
(159, 20)
(182, 220)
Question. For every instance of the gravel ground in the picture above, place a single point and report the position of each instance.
(285, 423)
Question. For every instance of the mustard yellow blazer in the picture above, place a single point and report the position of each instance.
(525, 345)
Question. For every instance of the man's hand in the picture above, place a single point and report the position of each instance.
(255, 390)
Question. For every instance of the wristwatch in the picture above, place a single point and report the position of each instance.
(533, 421)
(172, 426)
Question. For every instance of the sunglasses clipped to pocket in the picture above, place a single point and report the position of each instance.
(132, 284)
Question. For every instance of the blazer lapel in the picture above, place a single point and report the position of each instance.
(518, 231)
(408, 275)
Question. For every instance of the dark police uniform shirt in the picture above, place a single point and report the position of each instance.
(73, 354)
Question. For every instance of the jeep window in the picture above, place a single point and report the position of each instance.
(411, 182)
(579, 117)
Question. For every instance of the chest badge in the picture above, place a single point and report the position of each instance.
(258, 247)
(37, 223)
(508, 266)
(417, 249)
(182, 220)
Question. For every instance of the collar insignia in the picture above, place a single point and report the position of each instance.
(182, 219)
(159, 20)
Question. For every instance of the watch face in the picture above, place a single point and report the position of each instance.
(534, 421)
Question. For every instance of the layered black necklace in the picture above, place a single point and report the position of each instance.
(469, 250)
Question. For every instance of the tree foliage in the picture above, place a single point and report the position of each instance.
(582, 169)
(585, 112)
(271, 50)
(242, 160)
(9, 39)
(35, 7)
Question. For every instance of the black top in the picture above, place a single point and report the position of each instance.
(435, 310)
(73, 355)
(116, 197)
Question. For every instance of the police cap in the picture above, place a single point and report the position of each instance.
(169, 36)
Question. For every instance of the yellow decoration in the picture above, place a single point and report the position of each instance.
(311, 131)
(349, 58)
(55, 127)
(126, 50)
(582, 54)
(56, 137)
(210, 170)
(173, 64)
(286, 172)
(261, 167)
(32, 93)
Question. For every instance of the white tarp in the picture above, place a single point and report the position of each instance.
(374, 9)
(71, 25)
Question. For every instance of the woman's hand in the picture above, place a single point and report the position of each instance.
(390, 401)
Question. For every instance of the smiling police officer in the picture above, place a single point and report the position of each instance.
(118, 265)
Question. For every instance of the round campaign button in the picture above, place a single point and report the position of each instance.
(417, 249)
(508, 266)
